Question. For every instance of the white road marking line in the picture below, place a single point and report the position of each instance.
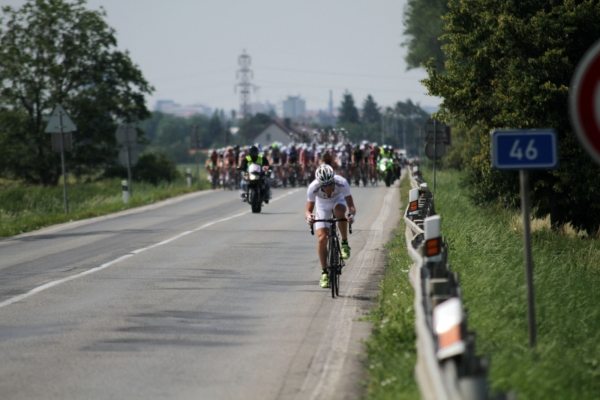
(52, 284)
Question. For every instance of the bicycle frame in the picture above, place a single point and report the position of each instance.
(334, 253)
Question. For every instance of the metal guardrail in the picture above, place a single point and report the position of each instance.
(447, 366)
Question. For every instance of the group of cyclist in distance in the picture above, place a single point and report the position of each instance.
(295, 164)
(328, 169)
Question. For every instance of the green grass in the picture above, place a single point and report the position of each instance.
(391, 347)
(25, 208)
(486, 249)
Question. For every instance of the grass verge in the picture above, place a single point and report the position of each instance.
(486, 249)
(391, 347)
(26, 208)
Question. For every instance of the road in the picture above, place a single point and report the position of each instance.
(192, 298)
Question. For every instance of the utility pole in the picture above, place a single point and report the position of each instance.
(245, 75)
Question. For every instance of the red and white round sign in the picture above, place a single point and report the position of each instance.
(584, 101)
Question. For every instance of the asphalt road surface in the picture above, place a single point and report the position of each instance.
(192, 298)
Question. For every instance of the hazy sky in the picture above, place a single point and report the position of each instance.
(188, 49)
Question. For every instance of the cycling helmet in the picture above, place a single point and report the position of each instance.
(324, 174)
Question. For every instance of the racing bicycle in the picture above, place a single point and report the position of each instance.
(335, 263)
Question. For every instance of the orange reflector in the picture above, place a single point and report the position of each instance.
(433, 247)
(449, 337)
(413, 206)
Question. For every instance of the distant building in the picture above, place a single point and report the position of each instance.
(294, 108)
(173, 108)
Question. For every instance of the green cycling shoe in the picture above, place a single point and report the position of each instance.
(324, 282)
(345, 250)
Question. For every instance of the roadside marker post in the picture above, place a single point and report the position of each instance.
(188, 177)
(523, 150)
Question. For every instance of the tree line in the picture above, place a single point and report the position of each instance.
(400, 125)
(499, 64)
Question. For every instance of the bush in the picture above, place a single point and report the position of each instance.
(154, 168)
(115, 171)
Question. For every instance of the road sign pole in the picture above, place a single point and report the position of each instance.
(382, 125)
(129, 181)
(197, 157)
(434, 154)
(525, 149)
(525, 206)
(404, 134)
(64, 169)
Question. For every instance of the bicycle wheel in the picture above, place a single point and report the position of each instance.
(332, 281)
(338, 269)
(337, 280)
(334, 266)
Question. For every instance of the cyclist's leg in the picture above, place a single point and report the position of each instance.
(322, 235)
(340, 212)
(323, 210)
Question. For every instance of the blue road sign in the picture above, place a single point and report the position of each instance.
(524, 149)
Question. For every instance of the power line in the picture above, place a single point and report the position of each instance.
(223, 70)
(334, 73)
(273, 84)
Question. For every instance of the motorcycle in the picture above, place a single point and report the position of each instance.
(254, 187)
(386, 170)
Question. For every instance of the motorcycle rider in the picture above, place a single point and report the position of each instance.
(386, 151)
(326, 194)
(254, 157)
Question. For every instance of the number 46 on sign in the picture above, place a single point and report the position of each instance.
(524, 149)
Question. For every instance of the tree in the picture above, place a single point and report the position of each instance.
(55, 51)
(348, 111)
(423, 28)
(509, 64)
(216, 130)
(370, 111)
(154, 168)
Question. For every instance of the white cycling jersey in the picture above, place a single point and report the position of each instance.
(324, 204)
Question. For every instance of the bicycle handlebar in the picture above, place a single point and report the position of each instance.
(331, 221)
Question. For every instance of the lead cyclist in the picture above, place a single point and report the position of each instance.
(329, 193)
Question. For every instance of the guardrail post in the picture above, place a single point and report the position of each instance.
(413, 202)
(447, 320)
(433, 239)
